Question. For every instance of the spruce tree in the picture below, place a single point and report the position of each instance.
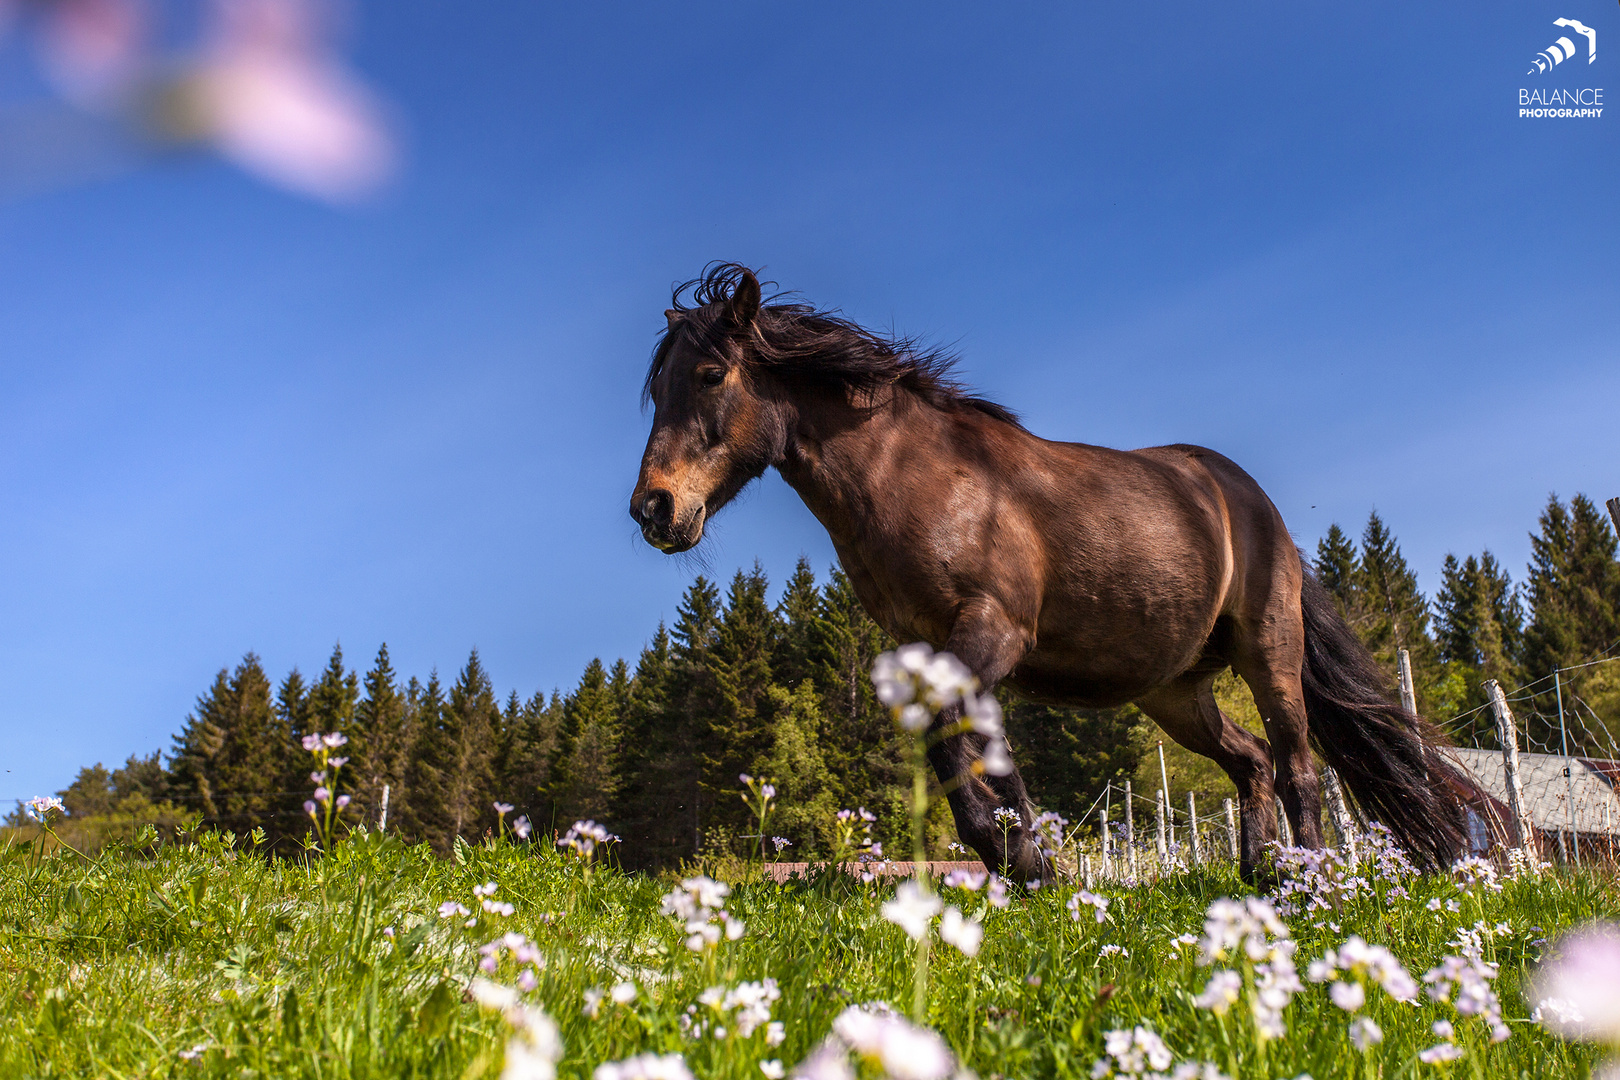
(292, 706)
(381, 741)
(864, 751)
(1394, 613)
(332, 699)
(294, 764)
(801, 643)
(650, 813)
(1336, 569)
(1479, 625)
(228, 755)
(142, 776)
(739, 726)
(425, 813)
(587, 781)
(471, 721)
(506, 742)
(529, 767)
(1573, 589)
(90, 794)
(692, 699)
(796, 762)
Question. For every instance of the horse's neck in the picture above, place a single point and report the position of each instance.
(845, 461)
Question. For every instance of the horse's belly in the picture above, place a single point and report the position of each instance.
(1102, 658)
(1095, 683)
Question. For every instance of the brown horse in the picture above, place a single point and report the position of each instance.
(1077, 574)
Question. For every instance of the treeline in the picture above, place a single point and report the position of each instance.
(1483, 625)
(739, 684)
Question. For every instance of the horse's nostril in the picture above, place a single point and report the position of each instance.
(657, 508)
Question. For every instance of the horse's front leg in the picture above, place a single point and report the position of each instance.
(990, 644)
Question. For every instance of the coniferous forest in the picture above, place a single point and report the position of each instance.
(776, 685)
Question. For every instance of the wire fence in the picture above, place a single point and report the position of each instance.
(1561, 781)
(1550, 759)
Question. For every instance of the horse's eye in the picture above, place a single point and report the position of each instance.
(711, 376)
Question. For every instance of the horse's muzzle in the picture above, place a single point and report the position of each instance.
(655, 513)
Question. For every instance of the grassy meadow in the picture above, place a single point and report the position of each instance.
(205, 958)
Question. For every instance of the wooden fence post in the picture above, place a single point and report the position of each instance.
(1340, 811)
(1569, 769)
(1192, 830)
(1164, 784)
(1102, 826)
(1508, 735)
(1232, 829)
(1408, 695)
(1130, 832)
(1164, 847)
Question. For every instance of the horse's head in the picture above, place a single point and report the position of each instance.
(713, 429)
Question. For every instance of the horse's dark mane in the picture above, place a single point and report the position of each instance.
(799, 342)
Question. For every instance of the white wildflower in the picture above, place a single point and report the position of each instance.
(983, 714)
(40, 806)
(829, 1062)
(912, 909)
(1221, 992)
(965, 934)
(645, 1067)
(1348, 996)
(1365, 1033)
(1099, 904)
(1136, 1049)
(996, 759)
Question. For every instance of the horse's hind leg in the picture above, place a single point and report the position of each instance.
(1187, 712)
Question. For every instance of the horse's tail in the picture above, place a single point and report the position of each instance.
(1385, 754)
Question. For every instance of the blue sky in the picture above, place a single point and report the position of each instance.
(1319, 239)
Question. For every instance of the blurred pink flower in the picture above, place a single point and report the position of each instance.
(91, 49)
(1577, 994)
(273, 96)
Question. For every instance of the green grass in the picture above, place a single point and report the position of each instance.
(112, 967)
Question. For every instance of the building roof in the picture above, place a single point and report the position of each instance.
(1547, 790)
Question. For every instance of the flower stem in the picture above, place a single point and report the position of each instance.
(919, 865)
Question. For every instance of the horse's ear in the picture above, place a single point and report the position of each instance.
(672, 316)
(744, 305)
